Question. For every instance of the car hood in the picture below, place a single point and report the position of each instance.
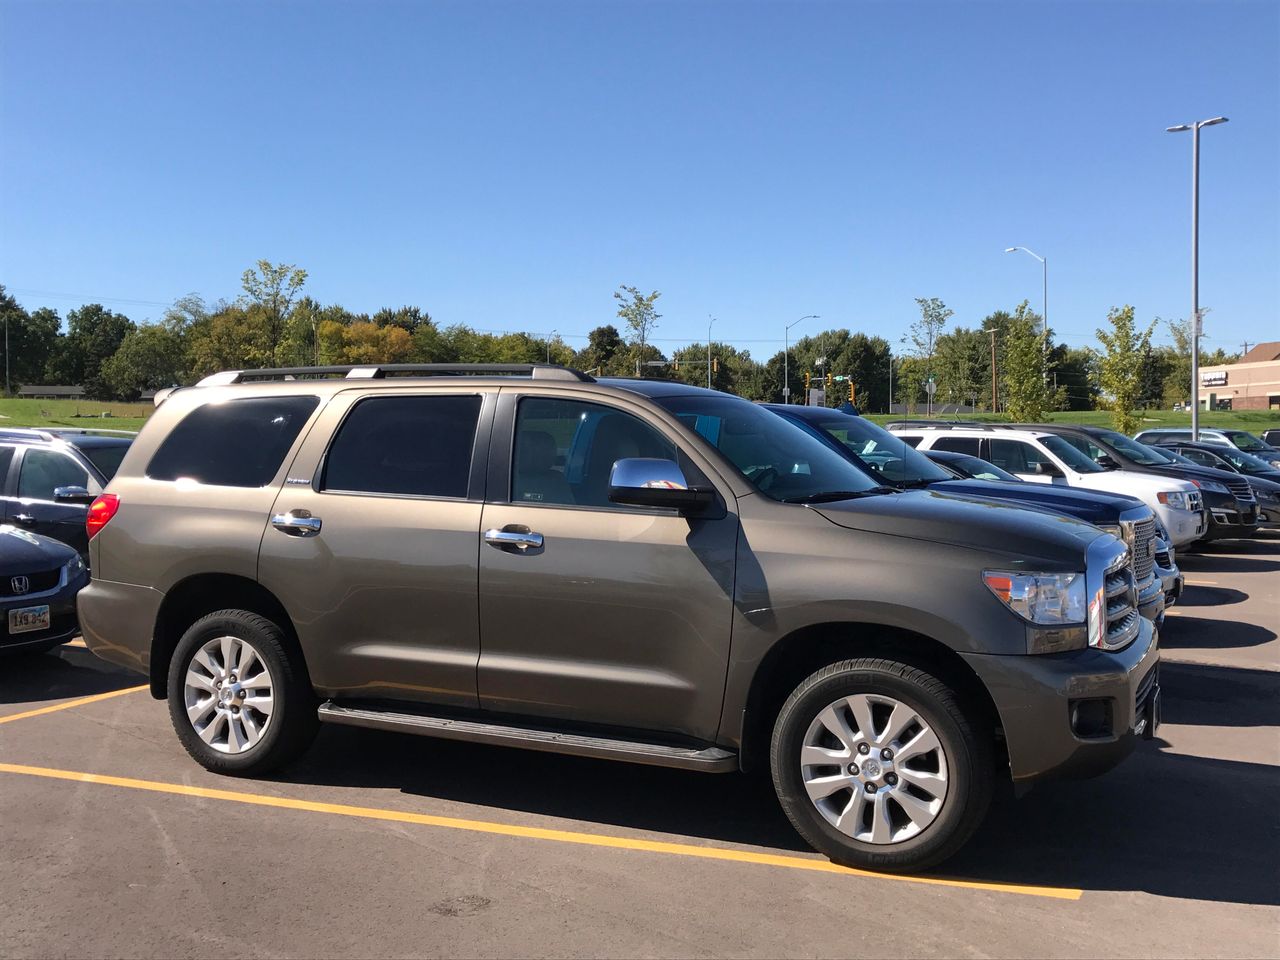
(23, 552)
(1141, 485)
(929, 515)
(1183, 472)
(1091, 506)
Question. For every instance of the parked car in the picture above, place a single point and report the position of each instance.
(522, 555)
(1264, 481)
(39, 580)
(1228, 499)
(48, 478)
(891, 461)
(1239, 439)
(1271, 438)
(1041, 457)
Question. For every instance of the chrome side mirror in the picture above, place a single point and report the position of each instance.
(648, 482)
(72, 494)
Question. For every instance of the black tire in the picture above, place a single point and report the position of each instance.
(969, 757)
(293, 721)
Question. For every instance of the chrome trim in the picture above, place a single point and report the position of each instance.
(297, 523)
(40, 595)
(645, 473)
(521, 540)
(1105, 556)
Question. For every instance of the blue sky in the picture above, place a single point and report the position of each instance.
(508, 165)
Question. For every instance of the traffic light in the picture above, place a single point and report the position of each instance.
(828, 381)
(806, 382)
(715, 365)
(852, 388)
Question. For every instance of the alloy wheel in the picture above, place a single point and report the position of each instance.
(228, 694)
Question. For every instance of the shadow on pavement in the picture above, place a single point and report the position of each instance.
(59, 674)
(1194, 693)
(1195, 633)
(1198, 596)
(1214, 563)
(1164, 823)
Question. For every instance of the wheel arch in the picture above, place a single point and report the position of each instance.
(202, 594)
(808, 649)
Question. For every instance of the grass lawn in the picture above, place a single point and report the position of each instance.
(1255, 421)
(99, 414)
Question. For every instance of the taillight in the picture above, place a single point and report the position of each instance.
(100, 513)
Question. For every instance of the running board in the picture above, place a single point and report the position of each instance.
(706, 760)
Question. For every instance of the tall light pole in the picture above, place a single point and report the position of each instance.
(1044, 275)
(786, 355)
(710, 323)
(1195, 262)
(549, 339)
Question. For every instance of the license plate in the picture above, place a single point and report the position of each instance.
(29, 619)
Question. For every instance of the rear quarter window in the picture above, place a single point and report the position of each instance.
(235, 443)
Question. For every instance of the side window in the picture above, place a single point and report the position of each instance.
(967, 445)
(6, 458)
(43, 471)
(405, 446)
(239, 443)
(1016, 456)
(1084, 446)
(1202, 458)
(912, 442)
(565, 450)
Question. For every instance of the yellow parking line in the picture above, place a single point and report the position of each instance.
(71, 703)
(535, 833)
(76, 643)
(1202, 583)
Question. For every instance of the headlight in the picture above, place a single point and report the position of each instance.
(1213, 486)
(75, 567)
(1044, 598)
(1114, 529)
(1175, 499)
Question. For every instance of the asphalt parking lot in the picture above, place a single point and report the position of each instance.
(114, 843)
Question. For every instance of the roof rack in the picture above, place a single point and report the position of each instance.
(956, 425)
(57, 433)
(535, 371)
(25, 433)
(90, 431)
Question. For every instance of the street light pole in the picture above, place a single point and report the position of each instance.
(549, 339)
(1195, 262)
(711, 322)
(1044, 277)
(786, 355)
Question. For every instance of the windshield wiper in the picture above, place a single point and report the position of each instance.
(917, 484)
(828, 496)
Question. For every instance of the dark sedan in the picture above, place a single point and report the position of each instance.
(1259, 474)
(39, 580)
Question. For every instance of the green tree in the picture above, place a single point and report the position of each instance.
(93, 334)
(963, 363)
(31, 339)
(637, 311)
(922, 335)
(1026, 394)
(1073, 368)
(1119, 367)
(273, 287)
(149, 358)
(604, 353)
(235, 337)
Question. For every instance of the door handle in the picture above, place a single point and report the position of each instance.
(520, 539)
(297, 523)
(24, 518)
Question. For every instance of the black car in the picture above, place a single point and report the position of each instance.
(48, 478)
(1228, 498)
(39, 580)
(1259, 474)
(1271, 438)
(893, 462)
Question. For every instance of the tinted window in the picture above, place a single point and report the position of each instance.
(1068, 454)
(886, 455)
(1135, 451)
(968, 445)
(981, 470)
(106, 459)
(43, 471)
(236, 443)
(6, 458)
(1245, 440)
(407, 446)
(565, 450)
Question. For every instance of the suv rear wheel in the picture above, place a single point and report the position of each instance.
(238, 700)
(877, 765)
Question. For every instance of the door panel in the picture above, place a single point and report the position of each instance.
(623, 615)
(384, 595)
(40, 472)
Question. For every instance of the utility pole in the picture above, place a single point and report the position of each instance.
(890, 381)
(6, 355)
(711, 322)
(1195, 263)
(1244, 347)
(994, 396)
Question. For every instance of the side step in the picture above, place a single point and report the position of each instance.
(707, 760)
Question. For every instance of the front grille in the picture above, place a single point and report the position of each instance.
(1144, 532)
(1195, 502)
(1240, 489)
(1123, 621)
(1163, 559)
(36, 583)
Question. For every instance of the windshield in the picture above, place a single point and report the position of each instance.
(1244, 462)
(1135, 451)
(981, 469)
(775, 456)
(1245, 440)
(106, 459)
(889, 458)
(1069, 455)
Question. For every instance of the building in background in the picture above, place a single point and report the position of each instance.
(1251, 384)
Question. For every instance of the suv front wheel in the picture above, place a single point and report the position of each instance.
(878, 766)
(238, 700)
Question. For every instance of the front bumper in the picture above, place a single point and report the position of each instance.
(1238, 520)
(1173, 582)
(1184, 526)
(63, 624)
(1151, 599)
(1034, 696)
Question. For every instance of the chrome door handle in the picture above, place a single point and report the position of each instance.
(297, 523)
(23, 518)
(522, 540)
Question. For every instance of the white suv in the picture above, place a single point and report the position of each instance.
(1045, 458)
